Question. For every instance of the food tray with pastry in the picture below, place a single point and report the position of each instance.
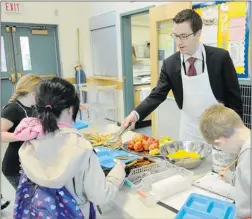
(144, 145)
(99, 139)
(136, 164)
(107, 156)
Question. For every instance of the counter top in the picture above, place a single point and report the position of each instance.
(141, 83)
(129, 205)
(132, 207)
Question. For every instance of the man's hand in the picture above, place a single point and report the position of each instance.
(131, 118)
(83, 106)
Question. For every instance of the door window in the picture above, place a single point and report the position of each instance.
(25, 52)
(3, 57)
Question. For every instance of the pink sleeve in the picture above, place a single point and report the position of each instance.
(28, 129)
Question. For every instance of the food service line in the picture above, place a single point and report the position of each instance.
(127, 204)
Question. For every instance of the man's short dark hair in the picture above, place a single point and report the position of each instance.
(190, 16)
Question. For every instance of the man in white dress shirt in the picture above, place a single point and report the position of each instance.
(198, 75)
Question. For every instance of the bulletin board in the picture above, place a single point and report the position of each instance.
(226, 25)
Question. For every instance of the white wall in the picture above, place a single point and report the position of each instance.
(68, 16)
(140, 35)
(98, 8)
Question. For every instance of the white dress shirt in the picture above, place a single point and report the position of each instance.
(198, 63)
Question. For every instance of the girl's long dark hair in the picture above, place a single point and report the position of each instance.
(52, 98)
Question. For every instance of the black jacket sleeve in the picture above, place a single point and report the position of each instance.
(233, 98)
(157, 95)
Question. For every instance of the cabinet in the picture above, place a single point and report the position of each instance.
(103, 46)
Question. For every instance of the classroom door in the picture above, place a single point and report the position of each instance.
(27, 49)
(8, 75)
(162, 44)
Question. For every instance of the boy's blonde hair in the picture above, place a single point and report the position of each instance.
(219, 121)
(25, 85)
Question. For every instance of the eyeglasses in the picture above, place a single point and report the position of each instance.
(181, 37)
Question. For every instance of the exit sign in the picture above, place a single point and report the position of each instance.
(12, 7)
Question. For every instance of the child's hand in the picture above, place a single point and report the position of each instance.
(227, 175)
(120, 163)
(222, 173)
(118, 173)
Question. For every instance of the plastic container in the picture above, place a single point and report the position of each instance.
(107, 157)
(146, 179)
(80, 125)
(138, 174)
(169, 189)
(203, 207)
(162, 189)
(221, 159)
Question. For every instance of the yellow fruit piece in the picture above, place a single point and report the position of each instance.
(165, 142)
(181, 154)
(154, 152)
(166, 138)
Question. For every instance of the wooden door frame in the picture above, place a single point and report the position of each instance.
(159, 14)
(127, 71)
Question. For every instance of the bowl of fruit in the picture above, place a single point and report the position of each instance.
(144, 145)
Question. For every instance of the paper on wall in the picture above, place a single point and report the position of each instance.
(209, 34)
(242, 54)
(210, 15)
(210, 25)
(236, 51)
(237, 22)
(237, 29)
(237, 33)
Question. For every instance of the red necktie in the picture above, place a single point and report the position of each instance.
(191, 70)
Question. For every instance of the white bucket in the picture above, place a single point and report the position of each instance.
(221, 159)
